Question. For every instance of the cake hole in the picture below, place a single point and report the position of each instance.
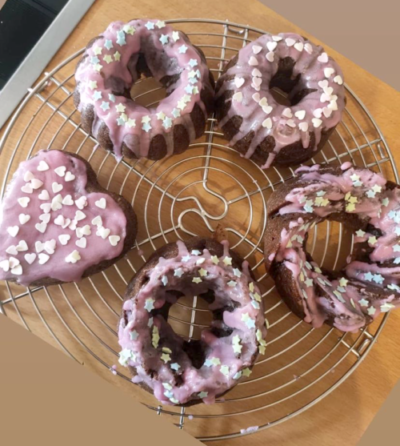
(280, 96)
(147, 92)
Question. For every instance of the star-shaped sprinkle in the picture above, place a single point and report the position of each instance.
(129, 29)
(363, 302)
(350, 207)
(397, 230)
(176, 113)
(160, 24)
(175, 36)
(105, 106)
(130, 123)
(343, 282)
(193, 62)
(150, 323)
(108, 44)
(200, 261)
(196, 252)
(376, 188)
(196, 280)
(126, 355)
(175, 366)
(120, 121)
(146, 127)
(97, 95)
(215, 260)
(149, 305)
(246, 372)
(232, 283)
(203, 272)
(92, 84)
(183, 49)
(368, 276)
(160, 115)
(164, 39)
(108, 58)
(203, 394)
(255, 304)
(178, 272)
(149, 25)
(111, 97)
(251, 286)
(186, 258)
(224, 370)
(387, 307)
(370, 194)
(396, 248)
(227, 260)
(155, 339)
(181, 104)
(165, 357)
(378, 278)
(164, 280)
(237, 272)
(146, 119)
(385, 201)
(134, 335)
(117, 56)
(167, 122)
(94, 60)
(309, 282)
(121, 38)
(97, 50)
(256, 297)
(237, 375)
(189, 89)
(360, 233)
(371, 311)
(120, 108)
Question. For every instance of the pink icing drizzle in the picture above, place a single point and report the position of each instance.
(56, 267)
(255, 103)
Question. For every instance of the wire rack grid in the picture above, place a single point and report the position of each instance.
(196, 193)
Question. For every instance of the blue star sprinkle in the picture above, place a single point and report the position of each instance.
(193, 62)
(111, 97)
(97, 95)
(105, 105)
(146, 127)
(164, 39)
(121, 38)
(149, 25)
(94, 60)
(108, 44)
(183, 49)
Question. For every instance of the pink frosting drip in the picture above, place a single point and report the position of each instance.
(257, 63)
(107, 63)
(224, 363)
(21, 256)
(365, 289)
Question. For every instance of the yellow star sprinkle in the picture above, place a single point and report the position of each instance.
(215, 260)
(196, 280)
(93, 84)
(246, 372)
(97, 50)
(227, 261)
(129, 30)
(165, 357)
(107, 58)
(203, 272)
(343, 282)
(120, 108)
(117, 56)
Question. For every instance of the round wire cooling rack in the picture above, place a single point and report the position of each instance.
(207, 188)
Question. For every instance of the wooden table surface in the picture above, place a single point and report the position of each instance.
(343, 416)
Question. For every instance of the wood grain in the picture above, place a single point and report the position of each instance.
(344, 415)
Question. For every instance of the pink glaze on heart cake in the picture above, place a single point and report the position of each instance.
(175, 369)
(56, 222)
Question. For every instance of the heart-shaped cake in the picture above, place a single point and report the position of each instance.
(58, 224)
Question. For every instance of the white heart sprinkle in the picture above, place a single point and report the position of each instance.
(323, 84)
(256, 97)
(256, 49)
(323, 58)
(5, 265)
(327, 112)
(239, 81)
(333, 105)
(81, 243)
(317, 112)
(291, 123)
(13, 262)
(316, 122)
(256, 72)
(56, 202)
(50, 246)
(267, 109)
(69, 177)
(45, 217)
(73, 257)
(56, 187)
(338, 79)
(64, 239)
(12, 250)
(13, 230)
(267, 123)
(73, 225)
(287, 113)
(28, 176)
(257, 81)
(114, 239)
(308, 47)
(253, 61)
(328, 72)
(66, 223)
(41, 227)
(102, 202)
(81, 202)
(85, 230)
(36, 184)
(263, 102)
(43, 258)
(277, 38)
(30, 258)
(67, 200)
(238, 97)
(24, 201)
(44, 195)
(97, 221)
(300, 114)
(60, 171)
(257, 88)
(59, 220)
(17, 270)
(24, 218)
(290, 42)
(299, 46)
(270, 57)
(303, 126)
(79, 215)
(39, 246)
(22, 246)
(103, 232)
(27, 188)
(42, 166)
(271, 45)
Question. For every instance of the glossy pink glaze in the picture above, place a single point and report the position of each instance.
(114, 56)
(56, 266)
(250, 78)
(364, 290)
(210, 380)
